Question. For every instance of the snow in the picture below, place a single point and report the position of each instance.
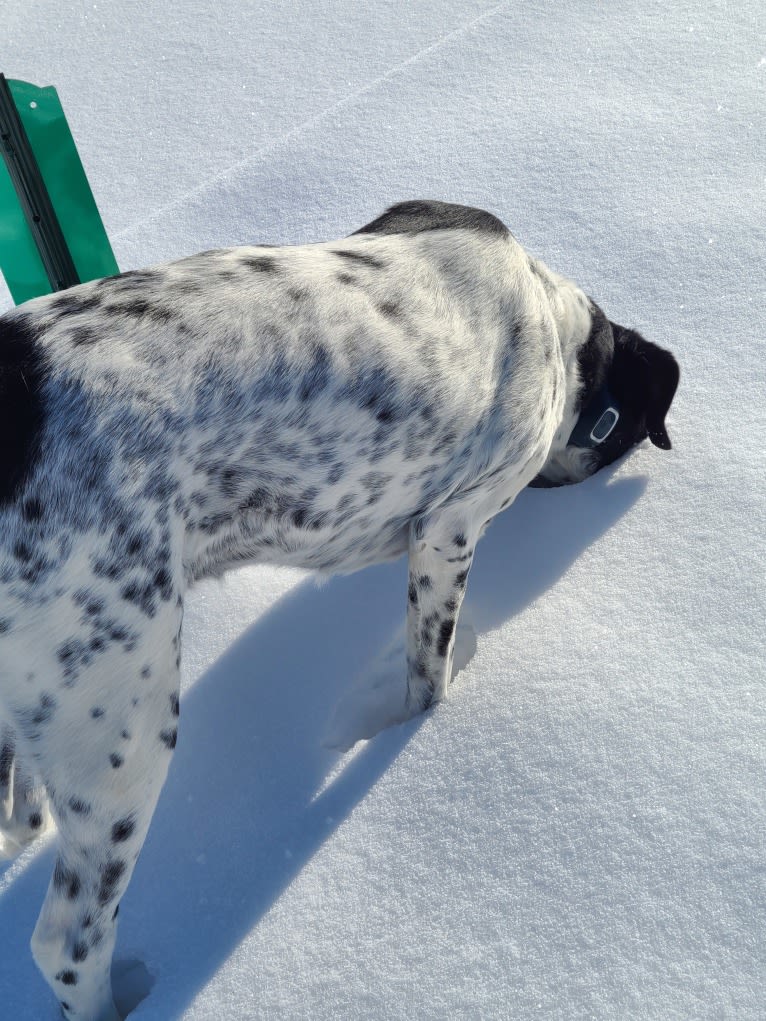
(579, 832)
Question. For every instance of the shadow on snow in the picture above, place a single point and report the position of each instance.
(252, 793)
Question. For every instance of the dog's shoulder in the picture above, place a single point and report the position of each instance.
(420, 215)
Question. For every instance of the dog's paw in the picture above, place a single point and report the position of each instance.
(377, 699)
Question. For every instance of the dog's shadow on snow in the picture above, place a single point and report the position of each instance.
(253, 793)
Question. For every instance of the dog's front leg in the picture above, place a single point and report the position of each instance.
(24, 813)
(440, 556)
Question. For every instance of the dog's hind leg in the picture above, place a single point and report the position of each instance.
(24, 813)
(104, 755)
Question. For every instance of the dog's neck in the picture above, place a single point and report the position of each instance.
(573, 315)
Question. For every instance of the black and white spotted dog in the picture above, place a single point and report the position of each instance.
(328, 406)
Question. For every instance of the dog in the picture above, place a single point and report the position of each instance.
(328, 406)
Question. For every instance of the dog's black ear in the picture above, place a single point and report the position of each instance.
(645, 377)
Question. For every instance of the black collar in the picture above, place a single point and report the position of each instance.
(597, 421)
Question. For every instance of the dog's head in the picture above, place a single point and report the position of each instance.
(627, 386)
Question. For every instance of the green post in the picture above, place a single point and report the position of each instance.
(51, 233)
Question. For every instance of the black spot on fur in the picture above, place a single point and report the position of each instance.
(361, 258)
(460, 540)
(345, 278)
(68, 978)
(424, 581)
(116, 760)
(260, 264)
(460, 559)
(5, 625)
(376, 390)
(460, 578)
(7, 754)
(22, 552)
(163, 583)
(169, 738)
(412, 593)
(97, 712)
(142, 596)
(68, 651)
(37, 716)
(419, 215)
(174, 704)
(445, 634)
(66, 881)
(75, 301)
(140, 308)
(317, 376)
(132, 279)
(123, 829)
(35, 821)
(110, 877)
(79, 807)
(22, 371)
(336, 473)
(79, 951)
(32, 510)
(83, 335)
(390, 309)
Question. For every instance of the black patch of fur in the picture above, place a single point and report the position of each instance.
(421, 215)
(22, 372)
(595, 356)
(644, 378)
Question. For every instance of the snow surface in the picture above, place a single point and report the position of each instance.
(579, 833)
